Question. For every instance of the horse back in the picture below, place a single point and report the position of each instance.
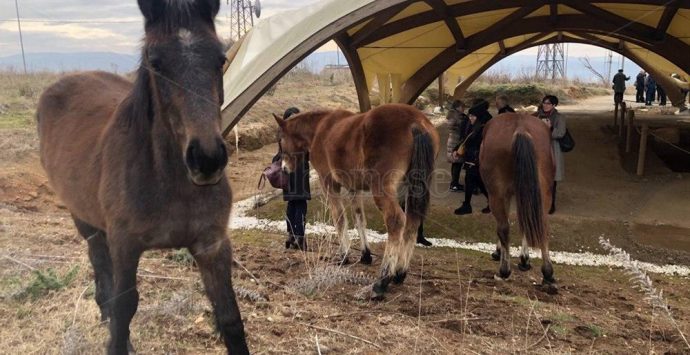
(347, 147)
(72, 115)
(496, 153)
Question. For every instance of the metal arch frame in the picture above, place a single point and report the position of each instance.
(613, 46)
(241, 104)
(597, 21)
(475, 7)
(671, 49)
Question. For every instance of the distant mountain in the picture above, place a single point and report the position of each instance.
(57, 62)
(115, 62)
(513, 65)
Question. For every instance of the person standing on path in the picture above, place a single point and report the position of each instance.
(619, 86)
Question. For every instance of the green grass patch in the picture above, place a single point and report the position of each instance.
(45, 281)
(14, 120)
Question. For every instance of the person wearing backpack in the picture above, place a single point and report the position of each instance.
(296, 195)
(556, 122)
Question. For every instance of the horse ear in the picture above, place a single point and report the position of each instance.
(280, 120)
(152, 9)
(209, 8)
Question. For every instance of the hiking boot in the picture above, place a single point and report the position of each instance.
(456, 188)
(466, 208)
(289, 241)
(423, 241)
(301, 242)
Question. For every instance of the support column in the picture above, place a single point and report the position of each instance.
(643, 150)
(631, 127)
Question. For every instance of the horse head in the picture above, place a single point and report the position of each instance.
(294, 141)
(182, 60)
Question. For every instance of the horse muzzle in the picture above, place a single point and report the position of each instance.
(206, 168)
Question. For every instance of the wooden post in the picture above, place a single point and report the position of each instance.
(643, 149)
(622, 120)
(628, 136)
(615, 115)
(440, 92)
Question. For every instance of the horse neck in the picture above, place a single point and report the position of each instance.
(147, 125)
(309, 123)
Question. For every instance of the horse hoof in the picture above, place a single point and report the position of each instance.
(524, 267)
(375, 296)
(503, 275)
(399, 277)
(377, 291)
(366, 258)
(498, 278)
(496, 255)
(550, 288)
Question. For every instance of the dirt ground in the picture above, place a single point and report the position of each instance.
(293, 302)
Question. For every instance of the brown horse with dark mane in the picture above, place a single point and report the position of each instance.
(516, 159)
(388, 151)
(141, 166)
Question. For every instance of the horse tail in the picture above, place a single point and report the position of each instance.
(418, 176)
(527, 191)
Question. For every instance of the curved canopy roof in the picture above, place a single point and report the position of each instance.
(405, 45)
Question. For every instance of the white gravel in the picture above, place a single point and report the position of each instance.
(240, 220)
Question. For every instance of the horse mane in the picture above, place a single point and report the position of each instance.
(137, 108)
(182, 14)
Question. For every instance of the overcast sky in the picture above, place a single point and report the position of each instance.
(117, 26)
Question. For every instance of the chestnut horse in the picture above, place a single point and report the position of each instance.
(141, 166)
(388, 151)
(515, 159)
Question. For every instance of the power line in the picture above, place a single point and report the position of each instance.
(21, 40)
(73, 21)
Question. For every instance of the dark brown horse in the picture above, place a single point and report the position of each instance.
(141, 166)
(388, 151)
(516, 159)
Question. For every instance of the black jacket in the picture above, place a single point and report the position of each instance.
(476, 134)
(298, 180)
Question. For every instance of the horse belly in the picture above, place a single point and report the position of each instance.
(71, 120)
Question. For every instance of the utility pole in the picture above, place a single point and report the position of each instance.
(551, 62)
(21, 40)
(242, 13)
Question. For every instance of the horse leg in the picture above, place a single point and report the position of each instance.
(499, 208)
(412, 223)
(125, 259)
(395, 222)
(361, 224)
(496, 255)
(99, 255)
(339, 217)
(549, 282)
(214, 257)
(524, 264)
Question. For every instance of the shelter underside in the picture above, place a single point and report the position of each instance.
(403, 46)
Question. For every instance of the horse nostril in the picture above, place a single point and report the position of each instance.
(206, 162)
(192, 158)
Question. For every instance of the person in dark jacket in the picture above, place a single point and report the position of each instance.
(639, 86)
(296, 195)
(502, 105)
(650, 84)
(479, 116)
(661, 93)
(619, 86)
(556, 122)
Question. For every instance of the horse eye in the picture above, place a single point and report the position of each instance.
(155, 62)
